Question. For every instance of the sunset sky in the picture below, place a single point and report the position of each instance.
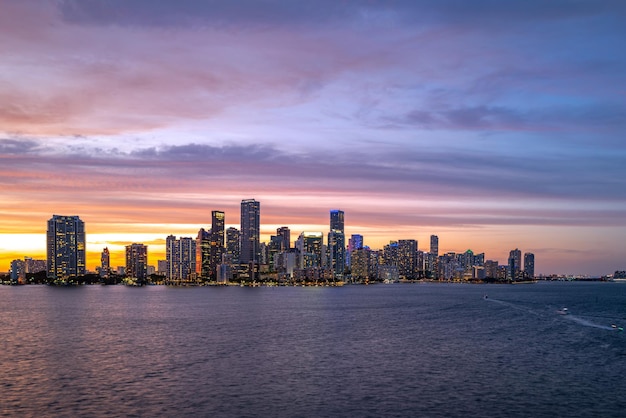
(492, 124)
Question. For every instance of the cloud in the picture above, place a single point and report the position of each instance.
(17, 146)
(273, 12)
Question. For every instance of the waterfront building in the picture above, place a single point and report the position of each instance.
(491, 269)
(354, 243)
(285, 234)
(250, 231)
(203, 254)
(337, 243)
(32, 266)
(515, 264)
(137, 261)
(105, 263)
(406, 258)
(17, 271)
(434, 245)
(310, 245)
(217, 242)
(181, 258)
(390, 254)
(361, 264)
(65, 240)
(232, 245)
(529, 265)
(162, 267)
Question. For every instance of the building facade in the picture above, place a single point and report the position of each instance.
(137, 261)
(337, 243)
(250, 231)
(65, 240)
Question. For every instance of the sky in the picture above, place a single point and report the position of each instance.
(493, 124)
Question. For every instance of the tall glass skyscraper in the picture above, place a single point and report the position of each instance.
(65, 240)
(216, 242)
(434, 245)
(337, 243)
(232, 245)
(250, 231)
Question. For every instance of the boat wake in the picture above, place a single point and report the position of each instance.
(512, 306)
(588, 323)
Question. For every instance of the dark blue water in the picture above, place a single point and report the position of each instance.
(384, 350)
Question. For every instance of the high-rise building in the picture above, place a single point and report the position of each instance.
(310, 245)
(232, 245)
(65, 239)
(250, 231)
(491, 269)
(285, 234)
(105, 263)
(34, 266)
(529, 265)
(181, 257)
(137, 261)
(203, 254)
(337, 220)
(17, 271)
(216, 249)
(434, 245)
(407, 258)
(337, 243)
(515, 264)
(354, 243)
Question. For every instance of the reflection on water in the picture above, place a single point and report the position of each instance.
(386, 350)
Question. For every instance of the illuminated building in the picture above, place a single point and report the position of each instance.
(285, 235)
(137, 261)
(310, 245)
(105, 263)
(491, 269)
(529, 265)
(203, 254)
(406, 258)
(434, 245)
(515, 264)
(216, 246)
(65, 239)
(181, 258)
(354, 243)
(232, 245)
(337, 243)
(250, 231)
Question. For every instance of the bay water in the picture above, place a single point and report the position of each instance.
(428, 349)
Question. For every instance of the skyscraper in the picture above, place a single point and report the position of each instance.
(337, 243)
(515, 264)
(434, 245)
(250, 231)
(407, 258)
(105, 263)
(310, 245)
(203, 254)
(529, 265)
(65, 240)
(181, 257)
(137, 261)
(216, 248)
(337, 220)
(232, 245)
(285, 234)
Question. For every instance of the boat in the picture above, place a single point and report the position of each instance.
(563, 311)
(486, 296)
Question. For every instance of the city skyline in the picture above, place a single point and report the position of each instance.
(184, 258)
(493, 126)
